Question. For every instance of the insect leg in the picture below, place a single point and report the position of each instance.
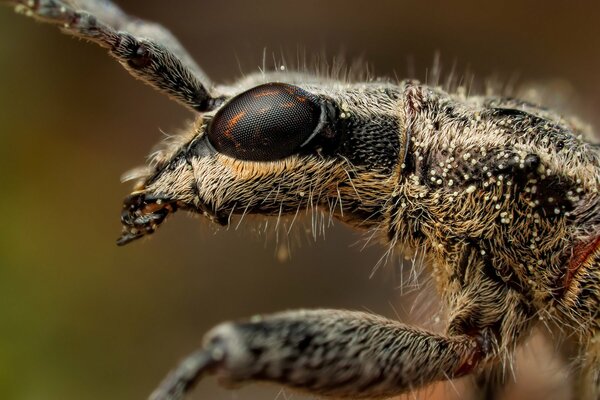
(489, 304)
(148, 51)
(327, 352)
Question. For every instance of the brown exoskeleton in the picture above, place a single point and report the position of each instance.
(500, 195)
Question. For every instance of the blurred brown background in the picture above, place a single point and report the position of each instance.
(83, 319)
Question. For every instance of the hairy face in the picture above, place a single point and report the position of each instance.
(275, 149)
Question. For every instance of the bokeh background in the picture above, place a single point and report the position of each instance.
(83, 319)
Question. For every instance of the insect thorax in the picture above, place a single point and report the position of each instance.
(495, 184)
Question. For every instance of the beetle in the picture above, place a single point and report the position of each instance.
(501, 195)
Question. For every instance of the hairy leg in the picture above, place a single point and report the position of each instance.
(356, 355)
(148, 51)
(491, 304)
(327, 352)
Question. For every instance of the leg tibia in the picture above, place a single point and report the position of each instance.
(326, 352)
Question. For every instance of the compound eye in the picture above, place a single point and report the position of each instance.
(266, 123)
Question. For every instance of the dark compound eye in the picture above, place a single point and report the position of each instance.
(266, 123)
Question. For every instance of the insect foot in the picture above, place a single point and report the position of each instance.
(326, 352)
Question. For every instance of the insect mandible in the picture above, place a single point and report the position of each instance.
(501, 196)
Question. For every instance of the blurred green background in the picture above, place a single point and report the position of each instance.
(83, 319)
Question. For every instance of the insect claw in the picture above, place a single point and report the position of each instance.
(183, 378)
